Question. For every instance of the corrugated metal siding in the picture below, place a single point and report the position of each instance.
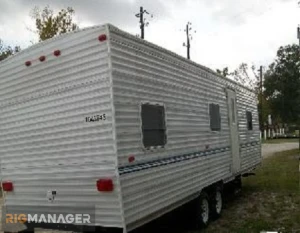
(145, 73)
(250, 151)
(45, 142)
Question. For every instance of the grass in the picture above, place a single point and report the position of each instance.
(281, 140)
(269, 201)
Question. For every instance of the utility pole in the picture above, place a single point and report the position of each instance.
(263, 132)
(188, 45)
(188, 38)
(143, 22)
(298, 35)
(261, 95)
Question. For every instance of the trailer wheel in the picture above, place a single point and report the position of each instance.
(202, 211)
(216, 203)
(238, 185)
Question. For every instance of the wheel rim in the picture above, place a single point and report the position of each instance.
(219, 202)
(205, 210)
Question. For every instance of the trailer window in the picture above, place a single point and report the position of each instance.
(215, 118)
(153, 125)
(249, 120)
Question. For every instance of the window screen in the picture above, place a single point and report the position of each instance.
(215, 119)
(153, 125)
(249, 120)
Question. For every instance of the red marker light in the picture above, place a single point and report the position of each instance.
(42, 58)
(28, 63)
(102, 38)
(105, 185)
(131, 159)
(56, 53)
(7, 186)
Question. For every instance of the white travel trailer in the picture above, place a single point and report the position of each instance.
(100, 118)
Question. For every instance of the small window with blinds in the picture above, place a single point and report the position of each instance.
(153, 125)
(215, 117)
(249, 120)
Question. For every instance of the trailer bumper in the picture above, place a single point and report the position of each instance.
(30, 227)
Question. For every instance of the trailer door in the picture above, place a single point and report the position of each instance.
(234, 133)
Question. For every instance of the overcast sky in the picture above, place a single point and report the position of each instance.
(228, 32)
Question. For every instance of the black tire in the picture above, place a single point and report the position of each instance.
(202, 211)
(216, 202)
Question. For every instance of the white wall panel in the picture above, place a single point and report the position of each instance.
(45, 141)
(143, 72)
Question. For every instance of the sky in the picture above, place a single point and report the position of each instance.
(225, 32)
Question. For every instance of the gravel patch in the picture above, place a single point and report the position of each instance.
(269, 149)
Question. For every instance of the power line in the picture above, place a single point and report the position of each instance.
(143, 21)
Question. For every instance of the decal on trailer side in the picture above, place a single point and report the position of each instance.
(96, 118)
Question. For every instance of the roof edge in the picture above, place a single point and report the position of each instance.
(204, 68)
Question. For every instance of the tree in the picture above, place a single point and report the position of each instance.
(282, 82)
(246, 76)
(224, 72)
(243, 75)
(6, 51)
(49, 25)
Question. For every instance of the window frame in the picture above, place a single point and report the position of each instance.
(209, 115)
(233, 110)
(158, 147)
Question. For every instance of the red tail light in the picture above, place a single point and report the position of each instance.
(7, 186)
(105, 185)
